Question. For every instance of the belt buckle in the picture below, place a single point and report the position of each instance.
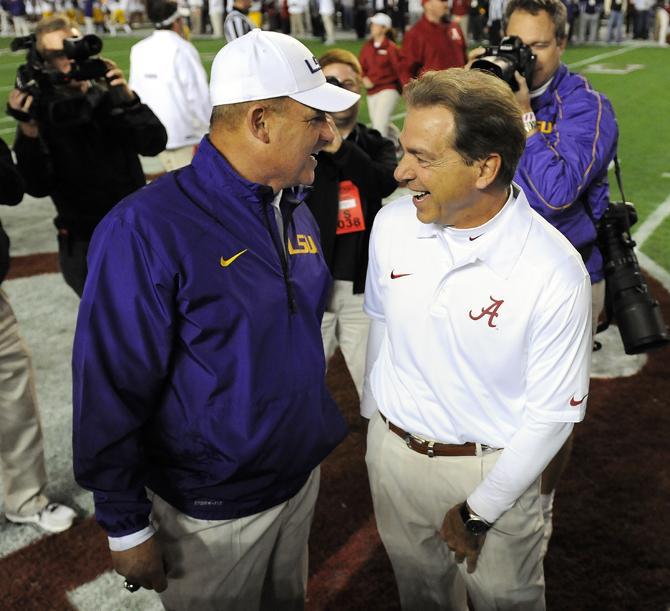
(408, 440)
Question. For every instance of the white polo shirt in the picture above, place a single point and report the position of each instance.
(483, 326)
(167, 74)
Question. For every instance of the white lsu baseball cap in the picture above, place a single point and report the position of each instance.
(262, 65)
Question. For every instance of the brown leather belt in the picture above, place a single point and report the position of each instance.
(431, 448)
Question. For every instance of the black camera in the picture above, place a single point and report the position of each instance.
(506, 59)
(628, 301)
(51, 100)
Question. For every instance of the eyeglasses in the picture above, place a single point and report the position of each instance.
(348, 85)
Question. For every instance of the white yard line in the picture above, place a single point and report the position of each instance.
(654, 270)
(652, 222)
(596, 58)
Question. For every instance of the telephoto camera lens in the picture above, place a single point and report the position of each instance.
(635, 311)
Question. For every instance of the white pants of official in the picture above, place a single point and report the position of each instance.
(345, 325)
(174, 159)
(21, 449)
(258, 562)
(380, 107)
(412, 493)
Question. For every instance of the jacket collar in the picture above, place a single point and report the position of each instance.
(219, 184)
(546, 98)
(220, 178)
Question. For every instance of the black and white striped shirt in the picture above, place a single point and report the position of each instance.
(237, 24)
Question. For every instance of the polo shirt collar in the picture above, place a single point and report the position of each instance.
(501, 247)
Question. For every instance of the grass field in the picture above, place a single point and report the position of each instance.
(635, 78)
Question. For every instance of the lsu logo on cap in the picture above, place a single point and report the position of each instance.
(315, 67)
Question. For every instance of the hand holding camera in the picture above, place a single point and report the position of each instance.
(52, 85)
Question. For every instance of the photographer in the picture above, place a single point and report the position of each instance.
(571, 137)
(78, 141)
(21, 446)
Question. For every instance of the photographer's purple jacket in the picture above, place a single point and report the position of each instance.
(198, 364)
(564, 167)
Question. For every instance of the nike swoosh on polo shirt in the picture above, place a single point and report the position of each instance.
(394, 275)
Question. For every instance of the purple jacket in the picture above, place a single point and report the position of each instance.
(563, 170)
(198, 363)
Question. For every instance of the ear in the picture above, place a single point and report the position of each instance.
(488, 169)
(562, 43)
(257, 122)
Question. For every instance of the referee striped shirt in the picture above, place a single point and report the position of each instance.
(237, 24)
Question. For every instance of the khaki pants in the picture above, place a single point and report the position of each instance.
(412, 493)
(329, 28)
(346, 325)
(251, 563)
(21, 450)
(381, 106)
(297, 25)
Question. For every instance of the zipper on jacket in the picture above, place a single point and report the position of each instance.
(283, 257)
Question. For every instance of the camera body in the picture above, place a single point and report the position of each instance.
(52, 100)
(628, 301)
(509, 56)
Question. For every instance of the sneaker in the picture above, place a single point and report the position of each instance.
(54, 518)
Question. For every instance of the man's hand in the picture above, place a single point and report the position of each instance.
(474, 54)
(462, 542)
(367, 83)
(116, 79)
(523, 95)
(142, 565)
(335, 145)
(21, 101)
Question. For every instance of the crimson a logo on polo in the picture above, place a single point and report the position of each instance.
(491, 311)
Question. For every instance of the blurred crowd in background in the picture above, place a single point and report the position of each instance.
(611, 21)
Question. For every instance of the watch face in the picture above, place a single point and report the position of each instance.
(476, 527)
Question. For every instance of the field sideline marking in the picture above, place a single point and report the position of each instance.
(654, 270)
(595, 58)
(652, 222)
(643, 233)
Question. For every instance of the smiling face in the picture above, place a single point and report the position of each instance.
(300, 133)
(446, 186)
(539, 33)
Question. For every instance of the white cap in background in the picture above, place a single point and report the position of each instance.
(381, 19)
(262, 65)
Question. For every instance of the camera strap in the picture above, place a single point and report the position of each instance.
(609, 306)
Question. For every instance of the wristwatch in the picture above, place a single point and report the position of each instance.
(529, 122)
(473, 523)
